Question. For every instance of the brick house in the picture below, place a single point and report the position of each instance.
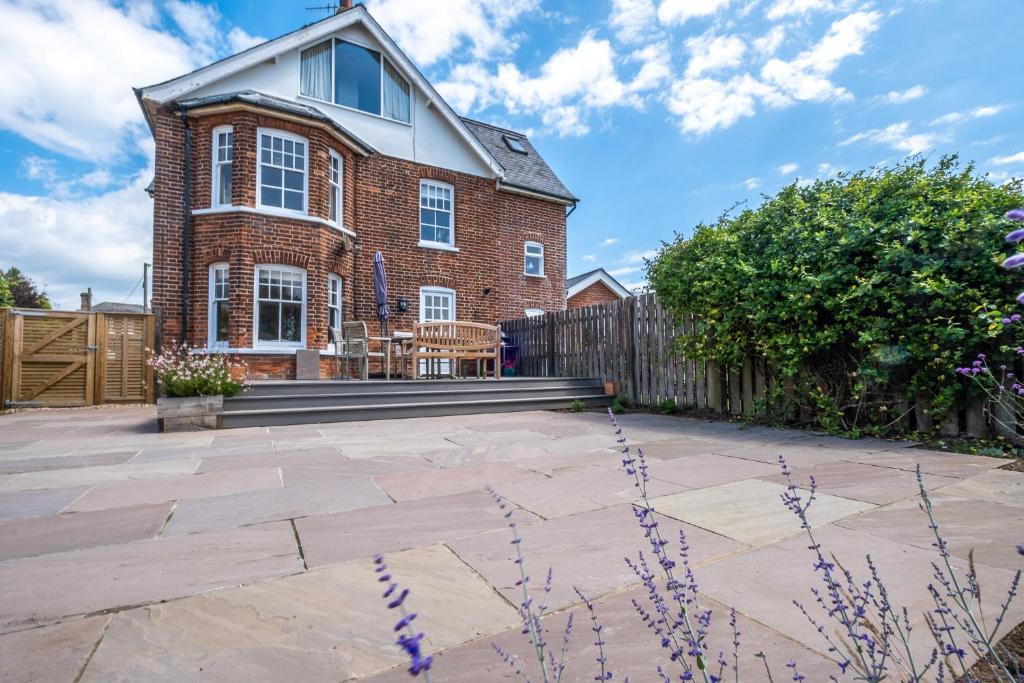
(282, 170)
(593, 287)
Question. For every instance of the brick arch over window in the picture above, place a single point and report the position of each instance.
(219, 254)
(438, 280)
(443, 175)
(285, 258)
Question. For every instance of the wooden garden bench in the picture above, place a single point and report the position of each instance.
(455, 342)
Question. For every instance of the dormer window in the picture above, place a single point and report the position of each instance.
(514, 144)
(356, 77)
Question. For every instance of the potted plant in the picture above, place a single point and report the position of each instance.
(193, 386)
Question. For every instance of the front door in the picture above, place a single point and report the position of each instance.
(436, 303)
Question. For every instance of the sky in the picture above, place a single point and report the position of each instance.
(658, 114)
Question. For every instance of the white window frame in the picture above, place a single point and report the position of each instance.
(212, 299)
(215, 198)
(337, 190)
(527, 255)
(333, 279)
(258, 343)
(437, 366)
(284, 135)
(380, 114)
(424, 291)
(450, 245)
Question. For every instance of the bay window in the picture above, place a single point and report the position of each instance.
(219, 307)
(281, 171)
(280, 307)
(354, 76)
(223, 143)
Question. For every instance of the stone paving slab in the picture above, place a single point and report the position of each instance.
(89, 476)
(71, 531)
(578, 489)
(46, 588)
(38, 503)
(998, 486)
(51, 653)
(701, 471)
(751, 511)
(58, 462)
(784, 572)
(988, 529)
(797, 454)
(308, 471)
(860, 481)
(585, 550)
(121, 494)
(325, 625)
(681, 447)
(293, 501)
(442, 482)
(364, 533)
(931, 462)
(631, 649)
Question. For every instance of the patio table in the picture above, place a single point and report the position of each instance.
(402, 340)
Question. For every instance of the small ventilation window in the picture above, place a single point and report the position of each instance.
(515, 144)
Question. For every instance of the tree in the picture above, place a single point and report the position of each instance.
(863, 293)
(23, 291)
(5, 292)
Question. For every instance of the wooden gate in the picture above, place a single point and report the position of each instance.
(71, 358)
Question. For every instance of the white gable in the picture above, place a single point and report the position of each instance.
(435, 135)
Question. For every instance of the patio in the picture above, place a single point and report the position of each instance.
(245, 554)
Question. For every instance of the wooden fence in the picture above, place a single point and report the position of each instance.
(74, 358)
(631, 342)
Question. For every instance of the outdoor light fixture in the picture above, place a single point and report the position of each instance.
(487, 291)
(402, 304)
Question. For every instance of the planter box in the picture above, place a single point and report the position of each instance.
(189, 414)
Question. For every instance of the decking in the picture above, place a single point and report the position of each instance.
(285, 402)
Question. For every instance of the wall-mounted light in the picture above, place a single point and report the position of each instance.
(402, 304)
(487, 291)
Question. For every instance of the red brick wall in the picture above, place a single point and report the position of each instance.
(597, 293)
(381, 204)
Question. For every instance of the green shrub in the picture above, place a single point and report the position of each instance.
(621, 403)
(667, 407)
(860, 291)
(577, 406)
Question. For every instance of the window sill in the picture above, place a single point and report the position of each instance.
(278, 351)
(539, 277)
(260, 211)
(437, 245)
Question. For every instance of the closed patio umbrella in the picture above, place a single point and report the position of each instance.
(380, 291)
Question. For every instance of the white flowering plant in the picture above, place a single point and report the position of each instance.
(182, 372)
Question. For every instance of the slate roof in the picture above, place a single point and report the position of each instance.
(603, 275)
(259, 99)
(580, 278)
(523, 171)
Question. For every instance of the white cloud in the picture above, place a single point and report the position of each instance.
(769, 43)
(633, 20)
(69, 67)
(704, 104)
(588, 258)
(681, 11)
(639, 256)
(899, 137)
(37, 168)
(781, 9)
(752, 183)
(787, 169)
(806, 77)
(1017, 158)
(609, 241)
(826, 169)
(69, 244)
(239, 40)
(199, 24)
(904, 96)
(625, 270)
(956, 117)
(711, 53)
(431, 31)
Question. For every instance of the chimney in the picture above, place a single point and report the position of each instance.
(344, 5)
(86, 300)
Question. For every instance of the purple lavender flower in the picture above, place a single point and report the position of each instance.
(1015, 236)
(1014, 261)
(409, 640)
(1016, 215)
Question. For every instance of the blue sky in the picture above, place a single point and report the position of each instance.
(659, 114)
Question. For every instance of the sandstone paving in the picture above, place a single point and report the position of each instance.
(324, 625)
(700, 471)
(931, 462)
(585, 550)
(417, 484)
(367, 531)
(55, 653)
(1003, 487)
(578, 489)
(164, 489)
(59, 462)
(39, 502)
(797, 454)
(985, 529)
(94, 475)
(632, 650)
(43, 589)
(751, 511)
(859, 481)
(295, 499)
(680, 447)
(71, 531)
(317, 470)
(784, 572)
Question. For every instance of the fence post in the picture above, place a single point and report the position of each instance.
(630, 348)
(714, 391)
(549, 330)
